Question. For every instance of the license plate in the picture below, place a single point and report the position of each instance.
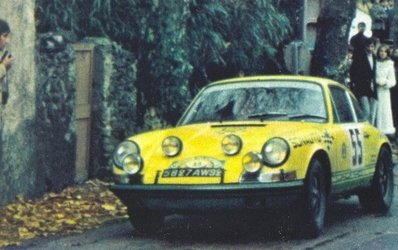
(189, 172)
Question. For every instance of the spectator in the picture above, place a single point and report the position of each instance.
(362, 76)
(358, 41)
(385, 79)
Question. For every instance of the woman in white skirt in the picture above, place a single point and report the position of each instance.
(385, 79)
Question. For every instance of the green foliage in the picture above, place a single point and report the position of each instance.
(180, 45)
(121, 99)
(257, 29)
(226, 37)
(163, 65)
(292, 10)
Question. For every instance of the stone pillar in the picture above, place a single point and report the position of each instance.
(18, 169)
(114, 100)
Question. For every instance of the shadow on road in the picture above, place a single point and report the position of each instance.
(247, 228)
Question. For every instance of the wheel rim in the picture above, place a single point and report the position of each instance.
(315, 196)
(383, 179)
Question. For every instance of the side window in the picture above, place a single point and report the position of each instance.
(341, 105)
(358, 110)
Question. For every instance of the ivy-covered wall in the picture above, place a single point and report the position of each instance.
(38, 141)
(55, 106)
(113, 107)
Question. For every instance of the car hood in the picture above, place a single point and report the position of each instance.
(202, 148)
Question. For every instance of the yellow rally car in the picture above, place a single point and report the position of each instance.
(257, 143)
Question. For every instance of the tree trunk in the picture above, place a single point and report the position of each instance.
(332, 39)
(394, 25)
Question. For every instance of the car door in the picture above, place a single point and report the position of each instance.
(369, 136)
(349, 135)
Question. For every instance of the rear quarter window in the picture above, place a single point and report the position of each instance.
(342, 108)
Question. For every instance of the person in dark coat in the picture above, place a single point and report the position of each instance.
(358, 41)
(362, 73)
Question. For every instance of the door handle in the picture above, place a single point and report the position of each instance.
(366, 135)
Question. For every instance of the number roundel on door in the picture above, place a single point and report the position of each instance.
(356, 139)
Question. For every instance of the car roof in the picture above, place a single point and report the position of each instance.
(320, 80)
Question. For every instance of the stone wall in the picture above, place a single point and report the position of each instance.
(18, 172)
(55, 105)
(114, 98)
(38, 138)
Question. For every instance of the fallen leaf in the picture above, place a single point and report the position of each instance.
(73, 210)
(109, 207)
(24, 233)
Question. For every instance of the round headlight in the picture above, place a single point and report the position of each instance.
(231, 144)
(132, 163)
(252, 162)
(125, 148)
(171, 146)
(275, 152)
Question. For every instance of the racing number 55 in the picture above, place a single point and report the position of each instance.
(357, 145)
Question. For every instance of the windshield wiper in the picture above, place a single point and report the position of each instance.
(267, 115)
(306, 116)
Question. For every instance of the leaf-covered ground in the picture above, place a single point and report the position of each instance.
(73, 210)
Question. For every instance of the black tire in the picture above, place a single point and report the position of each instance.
(144, 221)
(314, 200)
(378, 198)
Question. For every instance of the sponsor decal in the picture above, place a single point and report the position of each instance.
(325, 138)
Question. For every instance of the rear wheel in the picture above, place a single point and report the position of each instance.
(378, 197)
(314, 203)
(145, 221)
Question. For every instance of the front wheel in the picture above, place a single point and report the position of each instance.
(378, 197)
(314, 202)
(145, 221)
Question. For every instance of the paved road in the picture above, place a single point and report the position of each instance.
(347, 227)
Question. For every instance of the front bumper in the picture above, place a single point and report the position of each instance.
(210, 198)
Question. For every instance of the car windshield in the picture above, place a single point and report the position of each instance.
(266, 100)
